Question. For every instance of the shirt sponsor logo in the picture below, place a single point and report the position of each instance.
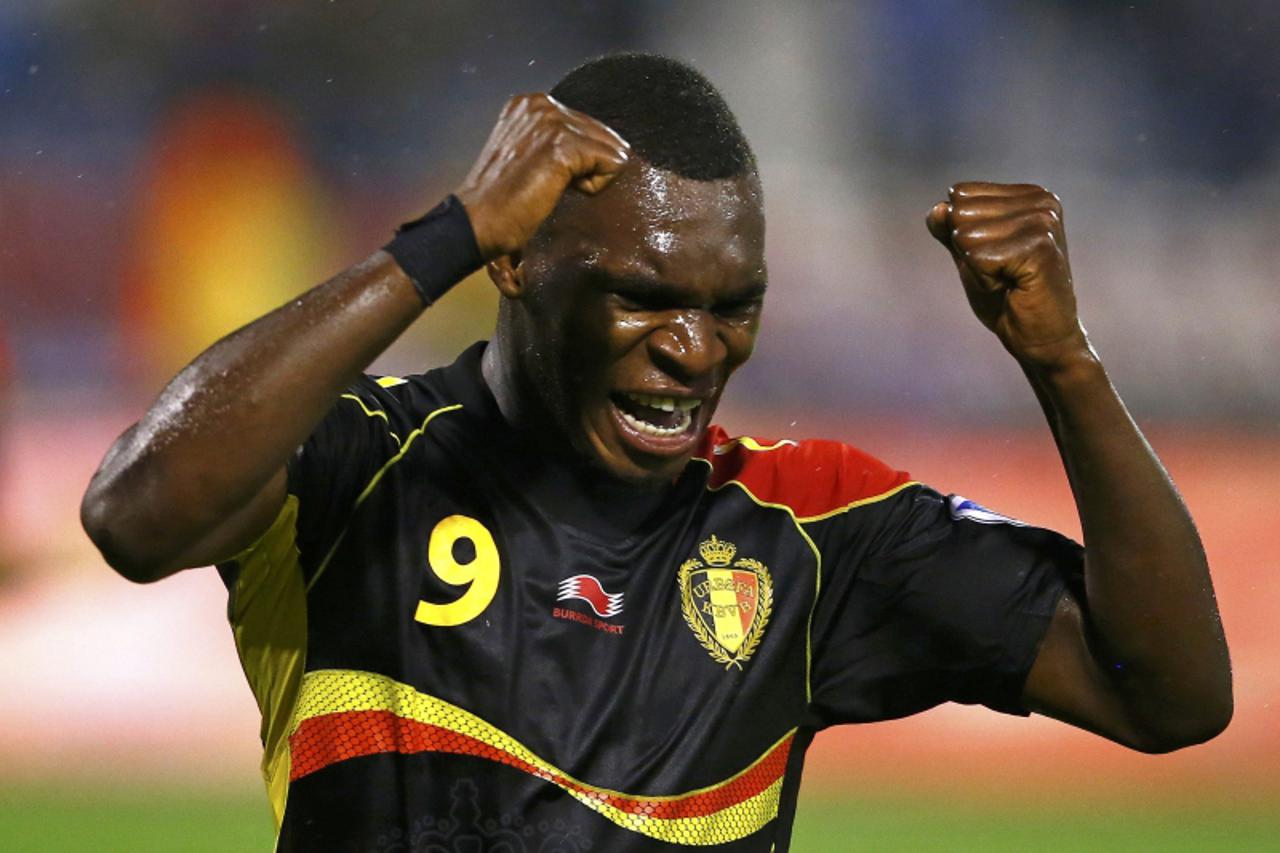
(587, 588)
(962, 507)
(726, 602)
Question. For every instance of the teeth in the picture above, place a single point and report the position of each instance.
(665, 404)
(653, 429)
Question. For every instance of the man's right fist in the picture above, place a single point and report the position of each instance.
(537, 149)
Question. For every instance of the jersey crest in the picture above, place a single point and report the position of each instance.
(726, 602)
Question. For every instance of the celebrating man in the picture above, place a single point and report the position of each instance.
(538, 598)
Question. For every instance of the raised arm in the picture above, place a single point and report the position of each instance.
(202, 474)
(1142, 660)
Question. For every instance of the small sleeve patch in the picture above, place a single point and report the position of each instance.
(963, 508)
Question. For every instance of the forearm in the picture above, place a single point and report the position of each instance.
(227, 423)
(207, 461)
(1153, 620)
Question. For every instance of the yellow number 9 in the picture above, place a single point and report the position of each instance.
(481, 571)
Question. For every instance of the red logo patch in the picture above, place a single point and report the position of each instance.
(587, 588)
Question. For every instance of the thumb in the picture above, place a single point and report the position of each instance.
(939, 223)
(593, 183)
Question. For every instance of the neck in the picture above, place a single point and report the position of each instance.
(520, 404)
(499, 372)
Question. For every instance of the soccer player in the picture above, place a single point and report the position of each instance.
(536, 598)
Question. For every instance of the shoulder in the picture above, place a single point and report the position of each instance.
(413, 396)
(812, 478)
(395, 405)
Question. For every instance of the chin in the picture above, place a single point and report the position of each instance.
(649, 477)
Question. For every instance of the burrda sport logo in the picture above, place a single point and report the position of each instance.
(588, 588)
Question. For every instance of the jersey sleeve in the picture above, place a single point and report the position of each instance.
(326, 476)
(339, 460)
(928, 598)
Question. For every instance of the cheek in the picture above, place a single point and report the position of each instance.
(740, 341)
(617, 338)
(627, 334)
(595, 344)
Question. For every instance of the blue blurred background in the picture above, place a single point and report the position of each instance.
(171, 169)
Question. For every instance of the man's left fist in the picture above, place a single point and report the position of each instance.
(1010, 247)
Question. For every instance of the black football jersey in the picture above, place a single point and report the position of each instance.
(459, 643)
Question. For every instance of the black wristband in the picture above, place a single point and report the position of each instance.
(437, 250)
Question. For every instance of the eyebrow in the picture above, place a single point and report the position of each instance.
(655, 289)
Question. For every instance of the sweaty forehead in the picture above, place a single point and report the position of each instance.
(650, 219)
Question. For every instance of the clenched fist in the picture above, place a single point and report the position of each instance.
(538, 149)
(1010, 247)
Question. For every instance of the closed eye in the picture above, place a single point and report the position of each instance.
(635, 300)
(642, 294)
(744, 303)
(739, 307)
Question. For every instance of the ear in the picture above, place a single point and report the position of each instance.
(507, 274)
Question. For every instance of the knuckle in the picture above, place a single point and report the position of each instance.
(542, 134)
(976, 229)
(1037, 240)
(536, 104)
(965, 209)
(563, 138)
(966, 239)
(1051, 201)
(1044, 219)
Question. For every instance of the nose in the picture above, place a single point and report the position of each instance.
(688, 347)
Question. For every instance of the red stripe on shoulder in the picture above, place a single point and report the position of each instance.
(812, 477)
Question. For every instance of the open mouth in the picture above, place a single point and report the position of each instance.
(654, 423)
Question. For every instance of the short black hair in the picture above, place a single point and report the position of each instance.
(668, 111)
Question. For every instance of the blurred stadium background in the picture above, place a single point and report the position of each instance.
(171, 169)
